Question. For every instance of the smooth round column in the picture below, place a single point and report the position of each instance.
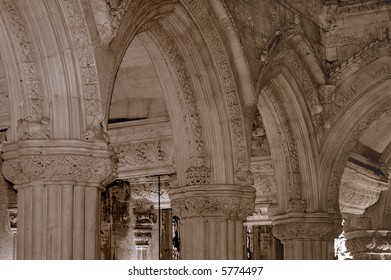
(58, 183)
(211, 218)
(369, 244)
(307, 236)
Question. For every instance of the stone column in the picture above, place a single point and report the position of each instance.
(307, 236)
(369, 244)
(212, 219)
(58, 183)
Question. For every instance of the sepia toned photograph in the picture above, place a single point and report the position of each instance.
(195, 130)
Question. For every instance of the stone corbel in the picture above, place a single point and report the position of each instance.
(359, 190)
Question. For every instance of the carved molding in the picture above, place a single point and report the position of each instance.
(36, 108)
(186, 95)
(142, 155)
(92, 104)
(310, 226)
(361, 82)
(228, 201)
(218, 52)
(69, 160)
(139, 131)
(289, 150)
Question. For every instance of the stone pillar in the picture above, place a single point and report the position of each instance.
(212, 219)
(58, 183)
(369, 244)
(307, 236)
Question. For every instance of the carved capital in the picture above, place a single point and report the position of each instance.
(228, 201)
(368, 242)
(317, 226)
(57, 160)
(359, 190)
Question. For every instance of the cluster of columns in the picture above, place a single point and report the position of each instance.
(59, 204)
(58, 184)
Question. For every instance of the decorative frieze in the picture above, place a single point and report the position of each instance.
(136, 131)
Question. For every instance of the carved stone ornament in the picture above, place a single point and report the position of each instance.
(228, 201)
(359, 190)
(35, 107)
(229, 87)
(57, 160)
(145, 154)
(308, 226)
(13, 218)
(108, 16)
(198, 176)
(92, 105)
(368, 241)
(142, 235)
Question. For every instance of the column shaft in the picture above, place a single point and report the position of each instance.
(53, 224)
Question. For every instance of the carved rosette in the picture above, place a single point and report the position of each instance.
(368, 242)
(309, 226)
(229, 201)
(57, 160)
(198, 176)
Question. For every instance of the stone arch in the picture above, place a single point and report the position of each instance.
(359, 101)
(56, 94)
(213, 94)
(293, 106)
